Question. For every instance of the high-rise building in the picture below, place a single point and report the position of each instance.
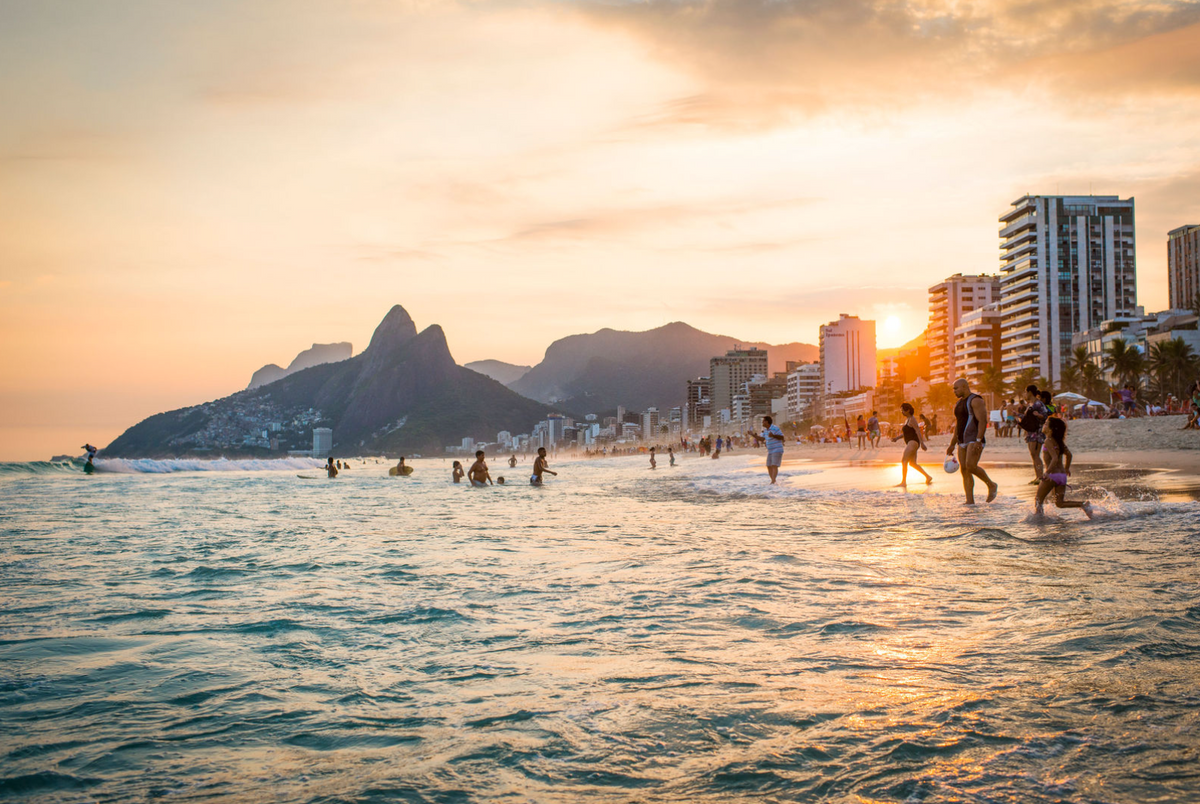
(977, 343)
(728, 374)
(1183, 267)
(650, 424)
(554, 429)
(949, 301)
(847, 355)
(322, 442)
(803, 388)
(699, 404)
(1066, 264)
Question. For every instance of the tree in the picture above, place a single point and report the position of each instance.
(992, 382)
(1094, 386)
(1070, 378)
(1125, 362)
(1023, 380)
(940, 397)
(1172, 365)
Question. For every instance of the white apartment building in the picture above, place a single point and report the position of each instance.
(1183, 266)
(322, 442)
(847, 355)
(949, 301)
(803, 388)
(1067, 263)
(650, 424)
(977, 342)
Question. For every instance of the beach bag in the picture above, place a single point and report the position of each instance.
(1031, 422)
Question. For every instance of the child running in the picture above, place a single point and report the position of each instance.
(913, 439)
(1058, 469)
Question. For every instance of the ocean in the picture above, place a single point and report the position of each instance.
(191, 631)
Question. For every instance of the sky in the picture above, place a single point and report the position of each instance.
(189, 191)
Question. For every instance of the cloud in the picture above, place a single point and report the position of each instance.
(763, 62)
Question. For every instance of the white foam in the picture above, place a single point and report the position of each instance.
(169, 466)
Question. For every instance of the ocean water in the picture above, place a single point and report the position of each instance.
(621, 635)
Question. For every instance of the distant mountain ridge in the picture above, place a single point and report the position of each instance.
(604, 369)
(403, 393)
(498, 370)
(318, 354)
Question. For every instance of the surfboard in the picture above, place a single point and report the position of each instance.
(315, 477)
(395, 471)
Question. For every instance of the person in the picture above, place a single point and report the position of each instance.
(500, 480)
(860, 426)
(970, 416)
(91, 453)
(1058, 469)
(717, 452)
(775, 439)
(457, 474)
(330, 470)
(926, 427)
(1031, 422)
(403, 469)
(873, 429)
(478, 473)
(671, 454)
(539, 467)
(913, 440)
(1129, 398)
(653, 463)
(512, 461)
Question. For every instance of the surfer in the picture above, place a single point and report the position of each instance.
(971, 419)
(774, 438)
(89, 467)
(653, 463)
(457, 474)
(478, 473)
(512, 461)
(913, 440)
(1058, 469)
(540, 466)
(331, 471)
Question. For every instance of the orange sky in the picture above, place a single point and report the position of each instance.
(191, 190)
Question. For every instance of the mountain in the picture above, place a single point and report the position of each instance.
(498, 370)
(318, 354)
(403, 393)
(597, 372)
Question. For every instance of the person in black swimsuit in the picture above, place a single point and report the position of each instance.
(970, 437)
(913, 440)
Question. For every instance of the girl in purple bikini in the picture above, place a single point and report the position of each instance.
(1058, 468)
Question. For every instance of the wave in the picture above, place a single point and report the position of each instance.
(136, 466)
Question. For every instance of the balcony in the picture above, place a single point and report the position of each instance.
(1025, 222)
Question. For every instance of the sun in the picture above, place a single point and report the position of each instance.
(891, 325)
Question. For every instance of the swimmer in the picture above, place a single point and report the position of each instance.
(457, 474)
(331, 471)
(970, 437)
(653, 463)
(500, 481)
(913, 440)
(540, 466)
(478, 474)
(1058, 469)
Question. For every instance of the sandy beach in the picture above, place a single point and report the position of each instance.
(1151, 442)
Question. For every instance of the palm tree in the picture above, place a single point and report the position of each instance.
(1094, 386)
(992, 382)
(940, 397)
(1125, 362)
(1172, 364)
(1023, 380)
(1070, 378)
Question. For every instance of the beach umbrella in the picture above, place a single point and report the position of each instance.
(1092, 404)
(1070, 398)
(818, 428)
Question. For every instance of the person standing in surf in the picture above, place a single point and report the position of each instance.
(653, 463)
(457, 474)
(478, 474)
(775, 439)
(970, 415)
(1058, 469)
(913, 440)
(331, 471)
(540, 466)
(671, 454)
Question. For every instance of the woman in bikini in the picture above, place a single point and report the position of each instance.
(1057, 459)
(913, 440)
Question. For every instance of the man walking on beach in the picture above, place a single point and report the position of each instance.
(774, 438)
(873, 429)
(970, 430)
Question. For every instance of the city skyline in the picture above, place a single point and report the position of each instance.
(185, 204)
